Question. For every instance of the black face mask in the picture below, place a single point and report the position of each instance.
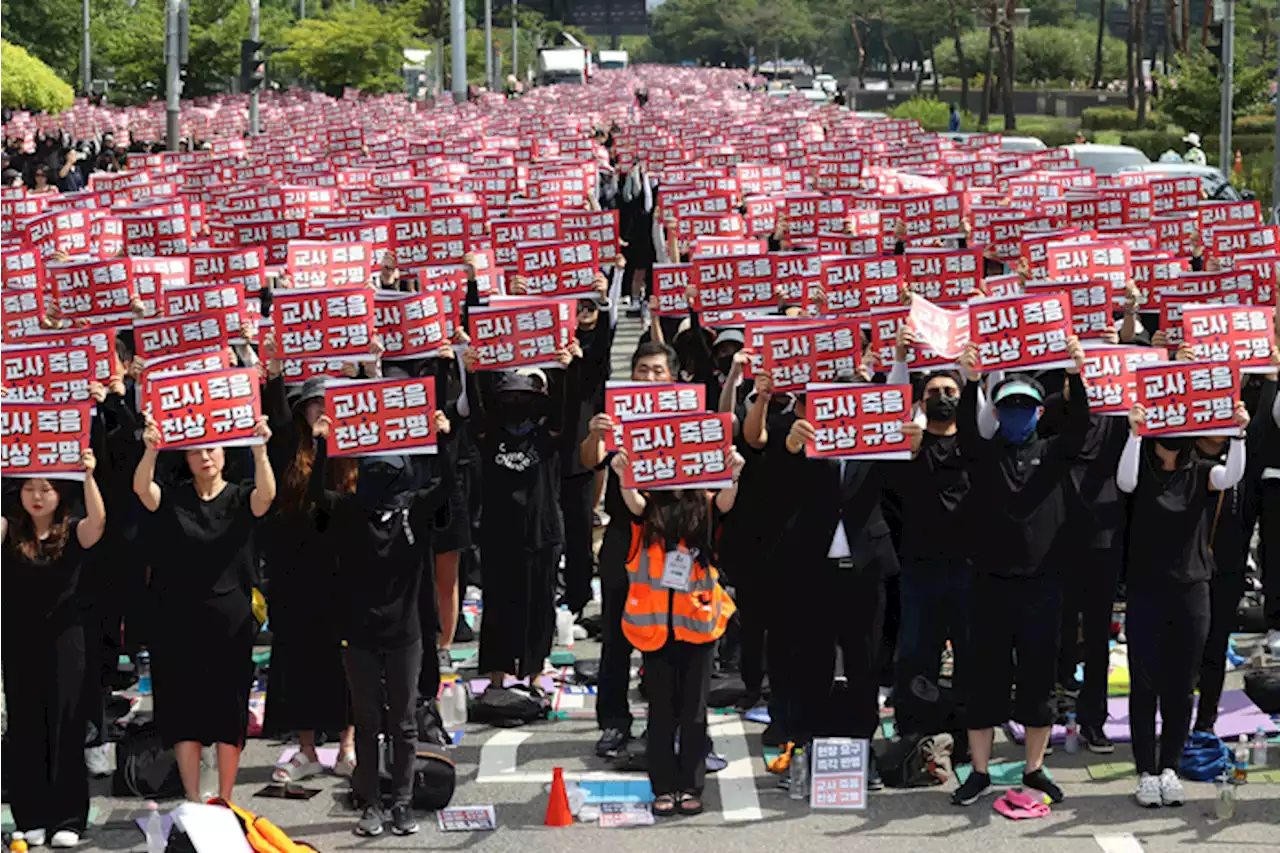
(725, 364)
(1176, 444)
(941, 408)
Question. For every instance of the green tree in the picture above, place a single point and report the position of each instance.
(361, 47)
(48, 29)
(29, 84)
(1191, 94)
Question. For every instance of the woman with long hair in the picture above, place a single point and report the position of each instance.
(1170, 566)
(202, 626)
(307, 689)
(40, 183)
(44, 549)
(675, 611)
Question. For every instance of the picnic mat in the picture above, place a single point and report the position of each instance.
(1112, 770)
(1237, 715)
(1005, 773)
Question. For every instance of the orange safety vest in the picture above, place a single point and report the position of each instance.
(263, 835)
(697, 616)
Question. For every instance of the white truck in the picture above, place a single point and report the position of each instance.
(563, 65)
(613, 59)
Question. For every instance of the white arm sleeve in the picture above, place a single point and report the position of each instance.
(1223, 477)
(464, 405)
(898, 374)
(1127, 472)
(988, 423)
(1275, 410)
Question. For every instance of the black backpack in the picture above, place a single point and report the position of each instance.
(1263, 688)
(434, 778)
(144, 766)
(915, 761)
(508, 707)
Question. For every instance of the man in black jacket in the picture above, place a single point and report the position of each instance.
(1017, 489)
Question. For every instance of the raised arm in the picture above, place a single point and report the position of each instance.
(755, 430)
(592, 450)
(729, 393)
(1075, 431)
(1223, 477)
(972, 443)
(635, 501)
(725, 498)
(91, 528)
(264, 478)
(144, 476)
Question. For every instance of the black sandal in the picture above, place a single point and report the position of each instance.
(690, 803)
(664, 805)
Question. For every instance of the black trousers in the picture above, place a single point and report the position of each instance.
(677, 679)
(519, 609)
(1088, 597)
(847, 607)
(429, 622)
(44, 748)
(366, 671)
(753, 597)
(576, 493)
(1014, 640)
(1225, 591)
(613, 711)
(1166, 625)
(1271, 551)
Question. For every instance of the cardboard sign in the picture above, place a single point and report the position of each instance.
(51, 374)
(1091, 304)
(670, 282)
(629, 399)
(315, 263)
(620, 815)
(334, 323)
(796, 274)
(1235, 287)
(188, 362)
(598, 227)
(813, 352)
(558, 269)
(858, 421)
(521, 332)
(944, 276)
(171, 335)
(727, 284)
(218, 408)
(44, 439)
(885, 323)
(689, 451)
(1022, 331)
(411, 325)
(1109, 376)
(1152, 272)
(373, 416)
(838, 775)
(859, 284)
(23, 310)
(467, 819)
(100, 339)
(926, 216)
(1188, 398)
(1239, 334)
(94, 290)
(1094, 260)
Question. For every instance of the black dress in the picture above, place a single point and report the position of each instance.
(202, 615)
(44, 678)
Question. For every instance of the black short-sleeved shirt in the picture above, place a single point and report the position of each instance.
(1169, 531)
(204, 549)
(40, 594)
(521, 477)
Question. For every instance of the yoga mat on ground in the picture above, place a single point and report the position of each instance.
(1005, 773)
(328, 755)
(1237, 715)
(1113, 770)
(480, 685)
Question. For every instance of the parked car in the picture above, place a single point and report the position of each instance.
(1107, 159)
(1007, 143)
(1212, 181)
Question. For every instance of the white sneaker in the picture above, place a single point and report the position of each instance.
(1171, 793)
(296, 769)
(64, 839)
(1148, 794)
(345, 765)
(1273, 643)
(579, 632)
(34, 837)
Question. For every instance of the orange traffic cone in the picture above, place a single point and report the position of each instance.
(558, 804)
(1238, 165)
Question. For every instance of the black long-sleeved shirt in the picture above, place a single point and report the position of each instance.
(932, 488)
(1017, 491)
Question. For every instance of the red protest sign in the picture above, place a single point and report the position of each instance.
(188, 362)
(515, 332)
(945, 276)
(1215, 213)
(1187, 398)
(216, 408)
(100, 339)
(858, 284)
(628, 399)
(411, 325)
(726, 284)
(315, 263)
(678, 451)
(243, 267)
(1108, 261)
(153, 276)
(1239, 334)
(598, 227)
(53, 374)
(1090, 304)
(929, 215)
(857, 421)
(1109, 376)
(93, 290)
(22, 269)
(334, 323)
(558, 269)
(810, 352)
(1022, 331)
(23, 310)
(1151, 272)
(44, 439)
(671, 282)
(171, 335)
(382, 416)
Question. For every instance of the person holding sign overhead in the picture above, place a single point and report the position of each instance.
(202, 574)
(44, 547)
(1017, 479)
(1170, 566)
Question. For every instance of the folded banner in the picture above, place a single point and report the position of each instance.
(1188, 398)
(216, 408)
(1022, 331)
(330, 323)
(521, 331)
(626, 399)
(1240, 334)
(44, 439)
(376, 416)
(858, 421)
(1109, 376)
(678, 451)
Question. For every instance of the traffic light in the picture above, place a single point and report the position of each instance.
(253, 69)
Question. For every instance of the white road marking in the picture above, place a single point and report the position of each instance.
(498, 764)
(1119, 842)
(738, 798)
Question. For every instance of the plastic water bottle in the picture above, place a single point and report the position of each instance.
(1258, 757)
(460, 703)
(799, 775)
(449, 692)
(154, 829)
(144, 673)
(1225, 806)
(1240, 768)
(1072, 745)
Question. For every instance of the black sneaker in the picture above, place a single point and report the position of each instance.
(611, 743)
(1071, 687)
(1096, 739)
(874, 782)
(972, 790)
(370, 825)
(1042, 783)
(402, 821)
(747, 701)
